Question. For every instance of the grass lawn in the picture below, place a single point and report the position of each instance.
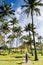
(17, 59)
(11, 59)
(39, 62)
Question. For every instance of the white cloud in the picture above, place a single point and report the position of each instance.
(18, 12)
(23, 20)
(12, 4)
(38, 21)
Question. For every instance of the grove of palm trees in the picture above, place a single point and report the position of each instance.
(21, 32)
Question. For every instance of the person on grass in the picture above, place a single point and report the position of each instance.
(26, 57)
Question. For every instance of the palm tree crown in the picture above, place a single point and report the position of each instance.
(5, 9)
(31, 5)
(5, 27)
(28, 27)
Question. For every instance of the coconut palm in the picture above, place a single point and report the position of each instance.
(40, 41)
(5, 29)
(28, 40)
(18, 31)
(10, 41)
(11, 38)
(31, 7)
(14, 21)
(5, 9)
(28, 28)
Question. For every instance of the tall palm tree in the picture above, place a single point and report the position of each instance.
(6, 9)
(28, 28)
(30, 8)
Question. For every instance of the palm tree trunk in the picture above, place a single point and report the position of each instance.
(33, 36)
(30, 44)
(41, 47)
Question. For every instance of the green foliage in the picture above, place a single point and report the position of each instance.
(5, 47)
(6, 9)
(31, 5)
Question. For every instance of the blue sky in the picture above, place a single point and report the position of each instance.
(17, 3)
(22, 18)
(38, 20)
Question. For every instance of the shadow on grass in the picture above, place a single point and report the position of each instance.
(3, 54)
(20, 63)
(33, 59)
(17, 56)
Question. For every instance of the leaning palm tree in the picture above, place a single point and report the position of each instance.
(5, 9)
(31, 6)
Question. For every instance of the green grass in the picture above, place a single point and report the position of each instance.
(39, 62)
(11, 59)
(17, 59)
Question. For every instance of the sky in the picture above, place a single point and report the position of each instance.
(16, 3)
(22, 18)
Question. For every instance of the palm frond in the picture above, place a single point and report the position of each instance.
(37, 10)
(26, 1)
(22, 6)
(27, 11)
(40, 4)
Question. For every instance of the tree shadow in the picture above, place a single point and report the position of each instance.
(3, 54)
(17, 56)
(20, 63)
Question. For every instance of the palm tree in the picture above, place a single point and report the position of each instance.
(11, 38)
(10, 41)
(30, 8)
(13, 21)
(28, 28)
(5, 29)
(40, 41)
(5, 9)
(28, 41)
(18, 31)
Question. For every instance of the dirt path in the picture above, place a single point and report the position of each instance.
(28, 63)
